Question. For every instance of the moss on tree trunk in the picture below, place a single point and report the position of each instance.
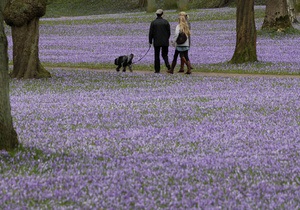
(277, 17)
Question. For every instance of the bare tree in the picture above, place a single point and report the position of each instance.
(245, 50)
(277, 17)
(23, 17)
(8, 135)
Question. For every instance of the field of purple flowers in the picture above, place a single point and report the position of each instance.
(108, 140)
(95, 41)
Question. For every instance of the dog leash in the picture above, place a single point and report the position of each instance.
(144, 55)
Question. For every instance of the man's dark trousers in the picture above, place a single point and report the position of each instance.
(164, 54)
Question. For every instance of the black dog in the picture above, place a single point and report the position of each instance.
(124, 61)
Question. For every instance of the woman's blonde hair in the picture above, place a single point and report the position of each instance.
(184, 26)
(184, 14)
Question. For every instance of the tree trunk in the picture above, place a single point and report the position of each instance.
(245, 50)
(292, 11)
(142, 3)
(211, 3)
(277, 17)
(221, 3)
(151, 6)
(25, 51)
(8, 136)
(182, 5)
(297, 6)
(23, 17)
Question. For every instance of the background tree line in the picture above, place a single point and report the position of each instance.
(56, 7)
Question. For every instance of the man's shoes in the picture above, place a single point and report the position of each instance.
(170, 71)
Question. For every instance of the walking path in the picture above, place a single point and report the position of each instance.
(205, 74)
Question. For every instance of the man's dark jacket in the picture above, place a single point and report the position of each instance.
(159, 32)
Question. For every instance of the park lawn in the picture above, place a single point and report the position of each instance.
(106, 140)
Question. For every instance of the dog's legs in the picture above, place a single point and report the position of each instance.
(124, 66)
(118, 68)
(130, 68)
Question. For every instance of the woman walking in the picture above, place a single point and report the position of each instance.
(181, 70)
(182, 49)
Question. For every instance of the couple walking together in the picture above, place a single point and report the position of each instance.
(159, 35)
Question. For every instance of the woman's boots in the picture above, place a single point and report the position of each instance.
(181, 70)
(183, 61)
(171, 70)
(188, 64)
(189, 68)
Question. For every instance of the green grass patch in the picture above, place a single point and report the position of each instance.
(276, 34)
(61, 8)
(260, 68)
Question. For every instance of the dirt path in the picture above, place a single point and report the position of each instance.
(204, 74)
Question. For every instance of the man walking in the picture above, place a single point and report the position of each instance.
(159, 35)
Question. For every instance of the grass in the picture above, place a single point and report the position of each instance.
(59, 8)
(257, 68)
(273, 34)
(247, 68)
